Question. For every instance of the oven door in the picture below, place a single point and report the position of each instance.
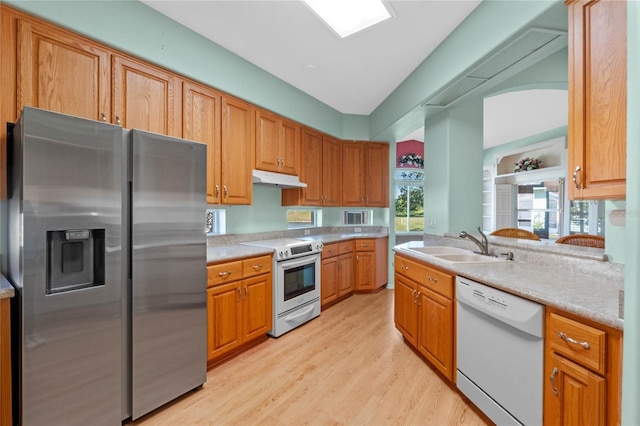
(297, 282)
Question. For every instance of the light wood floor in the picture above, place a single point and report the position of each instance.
(349, 366)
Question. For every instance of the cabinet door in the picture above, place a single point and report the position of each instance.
(353, 169)
(268, 137)
(405, 312)
(62, 72)
(256, 310)
(201, 123)
(331, 173)
(365, 270)
(237, 151)
(435, 330)
(329, 286)
(376, 170)
(345, 274)
(290, 151)
(597, 99)
(310, 172)
(573, 394)
(223, 311)
(146, 97)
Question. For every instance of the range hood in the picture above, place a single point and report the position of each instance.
(277, 179)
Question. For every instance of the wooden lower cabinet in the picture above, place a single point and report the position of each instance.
(424, 312)
(582, 371)
(371, 267)
(239, 311)
(337, 273)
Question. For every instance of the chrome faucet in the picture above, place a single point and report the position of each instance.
(484, 245)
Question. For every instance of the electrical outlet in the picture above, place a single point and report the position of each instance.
(431, 223)
(307, 232)
(357, 229)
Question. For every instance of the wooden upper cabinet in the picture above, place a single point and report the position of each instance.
(310, 172)
(290, 147)
(376, 172)
(237, 151)
(146, 97)
(353, 169)
(597, 99)
(365, 166)
(201, 122)
(277, 143)
(331, 172)
(62, 72)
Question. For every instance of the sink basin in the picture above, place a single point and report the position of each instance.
(469, 258)
(434, 250)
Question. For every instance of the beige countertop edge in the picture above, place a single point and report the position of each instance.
(580, 294)
(223, 253)
(6, 289)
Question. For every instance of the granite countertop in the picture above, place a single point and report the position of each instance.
(6, 289)
(224, 253)
(588, 296)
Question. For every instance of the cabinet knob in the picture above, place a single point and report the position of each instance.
(575, 177)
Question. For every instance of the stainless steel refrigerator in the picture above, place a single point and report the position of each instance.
(107, 252)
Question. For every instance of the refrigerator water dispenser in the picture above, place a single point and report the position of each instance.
(75, 259)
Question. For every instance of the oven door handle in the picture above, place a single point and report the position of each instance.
(305, 312)
(301, 261)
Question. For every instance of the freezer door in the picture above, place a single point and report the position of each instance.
(169, 281)
(65, 260)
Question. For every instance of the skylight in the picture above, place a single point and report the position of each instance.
(346, 17)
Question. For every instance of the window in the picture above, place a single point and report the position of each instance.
(586, 217)
(216, 223)
(409, 195)
(539, 208)
(360, 217)
(307, 218)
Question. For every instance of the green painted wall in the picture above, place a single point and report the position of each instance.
(631, 357)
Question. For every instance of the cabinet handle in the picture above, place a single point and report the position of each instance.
(357, 258)
(418, 299)
(413, 295)
(575, 177)
(217, 190)
(239, 299)
(224, 274)
(226, 190)
(552, 379)
(246, 292)
(364, 245)
(404, 267)
(568, 339)
(118, 120)
(433, 280)
(257, 267)
(103, 117)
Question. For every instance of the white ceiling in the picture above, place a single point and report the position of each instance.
(283, 37)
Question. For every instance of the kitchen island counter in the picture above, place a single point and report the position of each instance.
(6, 289)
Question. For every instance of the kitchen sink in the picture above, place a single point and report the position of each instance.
(469, 258)
(440, 250)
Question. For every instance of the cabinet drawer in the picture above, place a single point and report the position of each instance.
(579, 342)
(330, 250)
(256, 266)
(433, 279)
(224, 273)
(365, 245)
(346, 247)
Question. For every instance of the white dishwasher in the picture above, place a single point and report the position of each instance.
(500, 353)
